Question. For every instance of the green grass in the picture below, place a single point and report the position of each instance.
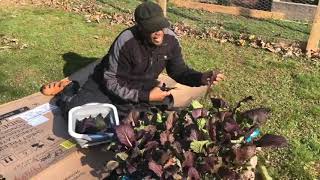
(268, 29)
(60, 43)
(308, 85)
(274, 83)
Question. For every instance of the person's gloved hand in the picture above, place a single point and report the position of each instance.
(156, 94)
(211, 77)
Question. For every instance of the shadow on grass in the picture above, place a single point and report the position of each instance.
(286, 26)
(182, 14)
(74, 62)
(114, 6)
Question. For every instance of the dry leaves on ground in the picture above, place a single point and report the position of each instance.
(283, 48)
(11, 43)
(93, 13)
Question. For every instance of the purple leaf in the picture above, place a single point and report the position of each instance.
(212, 149)
(212, 129)
(166, 136)
(156, 168)
(193, 174)
(149, 132)
(177, 147)
(225, 138)
(164, 158)
(87, 126)
(171, 138)
(194, 135)
(244, 153)
(151, 145)
(269, 140)
(135, 152)
(258, 116)
(188, 159)
(219, 103)
(125, 135)
(131, 167)
(171, 120)
(231, 126)
(198, 113)
(188, 120)
(227, 174)
(211, 164)
(119, 170)
(163, 137)
(246, 99)
(140, 133)
(224, 115)
(132, 118)
(151, 129)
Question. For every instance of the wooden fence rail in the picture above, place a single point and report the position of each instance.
(314, 38)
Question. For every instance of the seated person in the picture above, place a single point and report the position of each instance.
(127, 75)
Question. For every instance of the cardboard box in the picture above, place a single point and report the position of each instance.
(36, 145)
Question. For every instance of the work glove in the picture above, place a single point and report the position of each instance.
(211, 77)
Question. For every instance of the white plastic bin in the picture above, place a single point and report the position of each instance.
(92, 109)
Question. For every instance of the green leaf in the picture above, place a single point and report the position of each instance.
(197, 146)
(264, 173)
(196, 104)
(238, 141)
(201, 122)
(122, 155)
(178, 163)
(141, 127)
(159, 118)
(142, 150)
(112, 165)
(110, 145)
(208, 144)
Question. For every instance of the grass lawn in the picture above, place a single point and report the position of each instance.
(268, 29)
(59, 43)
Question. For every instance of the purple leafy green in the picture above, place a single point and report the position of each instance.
(172, 117)
(132, 118)
(192, 143)
(219, 103)
(269, 140)
(257, 116)
(244, 153)
(126, 135)
(156, 168)
(193, 174)
(188, 159)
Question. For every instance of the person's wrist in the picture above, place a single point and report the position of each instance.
(206, 77)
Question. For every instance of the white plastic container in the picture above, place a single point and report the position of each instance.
(92, 109)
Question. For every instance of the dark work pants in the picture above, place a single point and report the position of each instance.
(90, 92)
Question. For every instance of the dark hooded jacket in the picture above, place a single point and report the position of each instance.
(132, 65)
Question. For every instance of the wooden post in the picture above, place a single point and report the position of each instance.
(229, 9)
(163, 4)
(314, 38)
